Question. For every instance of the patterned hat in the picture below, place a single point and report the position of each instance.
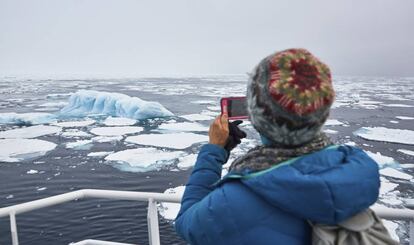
(289, 96)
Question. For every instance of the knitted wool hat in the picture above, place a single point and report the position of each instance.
(289, 96)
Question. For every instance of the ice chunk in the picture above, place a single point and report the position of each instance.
(15, 150)
(204, 102)
(214, 108)
(142, 159)
(405, 118)
(170, 210)
(30, 132)
(172, 140)
(333, 122)
(107, 139)
(330, 131)
(407, 152)
(80, 145)
(390, 172)
(74, 133)
(381, 159)
(197, 117)
(26, 118)
(187, 162)
(54, 104)
(398, 105)
(32, 171)
(387, 186)
(119, 121)
(402, 136)
(41, 188)
(100, 153)
(86, 102)
(75, 124)
(116, 131)
(392, 121)
(392, 229)
(183, 126)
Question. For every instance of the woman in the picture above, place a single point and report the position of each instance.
(296, 176)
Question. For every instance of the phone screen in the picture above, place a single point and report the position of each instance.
(237, 108)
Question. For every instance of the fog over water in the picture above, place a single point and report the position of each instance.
(184, 37)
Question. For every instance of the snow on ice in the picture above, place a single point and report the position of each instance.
(187, 162)
(74, 133)
(80, 145)
(407, 152)
(404, 118)
(107, 139)
(402, 136)
(30, 132)
(170, 210)
(119, 121)
(75, 124)
(100, 153)
(32, 171)
(381, 159)
(116, 131)
(197, 117)
(183, 127)
(26, 118)
(390, 172)
(142, 159)
(333, 122)
(171, 140)
(15, 150)
(86, 102)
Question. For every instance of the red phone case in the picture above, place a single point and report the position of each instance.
(224, 103)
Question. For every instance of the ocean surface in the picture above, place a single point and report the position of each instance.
(45, 152)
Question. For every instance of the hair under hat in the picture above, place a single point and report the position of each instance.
(289, 96)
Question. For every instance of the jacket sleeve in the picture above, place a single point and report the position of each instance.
(207, 171)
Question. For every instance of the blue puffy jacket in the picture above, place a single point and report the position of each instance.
(273, 206)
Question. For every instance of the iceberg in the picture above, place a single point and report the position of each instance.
(16, 150)
(30, 132)
(26, 118)
(402, 136)
(86, 102)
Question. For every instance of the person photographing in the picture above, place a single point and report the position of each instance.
(296, 176)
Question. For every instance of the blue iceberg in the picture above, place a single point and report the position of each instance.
(86, 102)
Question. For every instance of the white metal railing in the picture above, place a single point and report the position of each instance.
(152, 214)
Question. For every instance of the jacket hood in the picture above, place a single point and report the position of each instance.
(326, 187)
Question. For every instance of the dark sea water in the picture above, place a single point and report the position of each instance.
(361, 102)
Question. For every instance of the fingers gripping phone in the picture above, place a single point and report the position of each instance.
(235, 107)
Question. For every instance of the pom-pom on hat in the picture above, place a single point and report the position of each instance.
(289, 96)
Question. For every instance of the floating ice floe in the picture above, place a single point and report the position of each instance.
(404, 118)
(100, 153)
(407, 152)
(214, 108)
(75, 124)
(80, 145)
(107, 139)
(41, 188)
(392, 229)
(183, 127)
(16, 150)
(390, 172)
(330, 131)
(187, 162)
(142, 159)
(32, 171)
(398, 105)
(333, 122)
(86, 102)
(171, 140)
(119, 121)
(30, 132)
(381, 159)
(402, 136)
(74, 133)
(26, 118)
(197, 117)
(116, 131)
(392, 121)
(204, 102)
(387, 186)
(170, 210)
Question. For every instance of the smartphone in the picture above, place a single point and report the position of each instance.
(235, 107)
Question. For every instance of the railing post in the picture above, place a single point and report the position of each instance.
(13, 229)
(411, 234)
(152, 218)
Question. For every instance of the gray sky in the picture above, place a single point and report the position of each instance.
(193, 37)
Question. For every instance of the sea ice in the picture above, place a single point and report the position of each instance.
(116, 131)
(30, 132)
(392, 229)
(204, 102)
(75, 124)
(404, 118)
(26, 118)
(187, 162)
(142, 159)
(170, 210)
(407, 152)
(80, 145)
(390, 172)
(197, 117)
(172, 140)
(381, 159)
(32, 171)
(107, 139)
(54, 104)
(100, 153)
(387, 186)
(119, 121)
(183, 127)
(58, 96)
(402, 136)
(74, 133)
(330, 131)
(333, 122)
(86, 102)
(398, 105)
(15, 150)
